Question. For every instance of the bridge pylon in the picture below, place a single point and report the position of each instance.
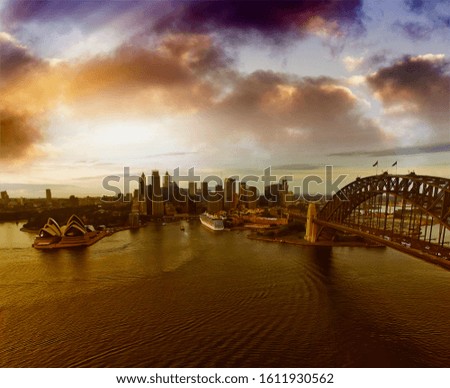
(311, 226)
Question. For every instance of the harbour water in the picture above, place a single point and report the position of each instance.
(164, 297)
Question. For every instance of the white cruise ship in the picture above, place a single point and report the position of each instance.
(212, 222)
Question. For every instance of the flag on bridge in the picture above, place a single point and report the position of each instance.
(394, 164)
(375, 164)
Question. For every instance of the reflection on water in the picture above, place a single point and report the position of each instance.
(164, 297)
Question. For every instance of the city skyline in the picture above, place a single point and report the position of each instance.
(227, 88)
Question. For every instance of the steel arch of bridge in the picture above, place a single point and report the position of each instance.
(420, 205)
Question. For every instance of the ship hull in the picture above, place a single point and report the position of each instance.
(214, 224)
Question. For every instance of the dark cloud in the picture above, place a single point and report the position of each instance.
(20, 111)
(414, 30)
(270, 19)
(82, 12)
(419, 86)
(15, 60)
(375, 60)
(296, 113)
(183, 72)
(411, 150)
(415, 6)
(18, 135)
(434, 16)
(423, 6)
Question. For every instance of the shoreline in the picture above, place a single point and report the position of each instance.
(289, 239)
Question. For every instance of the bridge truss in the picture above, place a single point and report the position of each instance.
(411, 211)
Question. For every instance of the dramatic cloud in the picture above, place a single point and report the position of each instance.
(429, 7)
(18, 134)
(417, 87)
(433, 14)
(179, 76)
(20, 122)
(89, 13)
(235, 20)
(273, 20)
(298, 113)
(182, 74)
(15, 59)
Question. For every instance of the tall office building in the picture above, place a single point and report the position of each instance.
(157, 198)
(216, 200)
(204, 191)
(143, 194)
(166, 181)
(230, 190)
(192, 189)
(48, 194)
(283, 192)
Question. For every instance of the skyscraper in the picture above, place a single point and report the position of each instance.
(4, 197)
(204, 191)
(143, 195)
(166, 180)
(230, 190)
(215, 201)
(157, 198)
(192, 189)
(48, 194)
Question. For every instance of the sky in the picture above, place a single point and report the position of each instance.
(88, 88)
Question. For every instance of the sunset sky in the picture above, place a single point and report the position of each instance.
(90, 87)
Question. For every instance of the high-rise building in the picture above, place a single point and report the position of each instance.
(4, 198)
(215, 200)
(157, 198)
(192, 198)
(143, 194)
(48, 194)
(243, 194)
(204, 191)
(283, 192)
(248, 196)
(230, 190)
(192, 190)
(166, 181)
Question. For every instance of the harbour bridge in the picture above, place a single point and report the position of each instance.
(407, 212)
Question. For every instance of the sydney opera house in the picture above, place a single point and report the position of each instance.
(73, 234)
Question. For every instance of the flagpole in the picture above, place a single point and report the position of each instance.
(396, 165)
